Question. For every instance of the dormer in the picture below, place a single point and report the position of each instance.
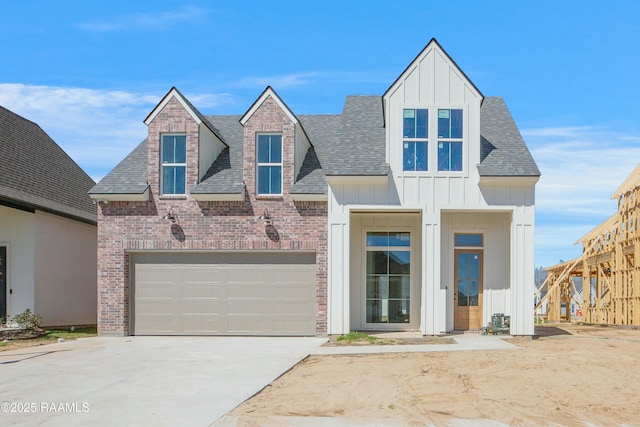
(432, 112)
(182, 144)
(275, 147)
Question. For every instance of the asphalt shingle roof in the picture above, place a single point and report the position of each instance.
(503, 152)
(128, 177)
(358, 145)
(38, 174)
(347, 144)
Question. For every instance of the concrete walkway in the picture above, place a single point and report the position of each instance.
(463, 343)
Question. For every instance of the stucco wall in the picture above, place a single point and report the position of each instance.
(65, 270)
(17, 230)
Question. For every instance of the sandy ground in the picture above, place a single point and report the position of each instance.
(570, 376)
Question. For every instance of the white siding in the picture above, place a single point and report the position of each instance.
(209, 149)
(300, 149)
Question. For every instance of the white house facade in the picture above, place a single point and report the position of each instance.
(443, 237)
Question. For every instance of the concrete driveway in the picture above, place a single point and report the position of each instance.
(138, 381)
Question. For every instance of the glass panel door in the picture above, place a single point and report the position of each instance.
(468, 289)
(468, 279)
(388, 281)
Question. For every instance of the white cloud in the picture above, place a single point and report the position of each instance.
(97, 128)
(581, 168)
(146, 21)
(278, 82)
(311, 77)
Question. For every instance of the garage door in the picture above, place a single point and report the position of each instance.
(224, 294)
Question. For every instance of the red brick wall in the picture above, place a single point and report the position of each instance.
(172, 119)
(207, 226)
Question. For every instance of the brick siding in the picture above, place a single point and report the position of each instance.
(206, 226)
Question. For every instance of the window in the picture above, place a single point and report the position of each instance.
(388, 264)
(449, 140)
(415, 132)
(269, 164)
(472, 240)
(174, 164)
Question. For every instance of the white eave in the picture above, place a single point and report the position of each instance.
(508, 180)
(309, 197)
(121, 197)
(358, 179)
(218, 197)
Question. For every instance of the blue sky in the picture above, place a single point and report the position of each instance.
(90, 72)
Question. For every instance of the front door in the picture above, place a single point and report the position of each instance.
(468, 289)
(3, 283)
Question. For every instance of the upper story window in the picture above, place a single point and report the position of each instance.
(449, 140)
(415, 135)
(174, 164)
(269, 154)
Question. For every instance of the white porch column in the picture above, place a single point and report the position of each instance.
(430, 273)
(522, 272)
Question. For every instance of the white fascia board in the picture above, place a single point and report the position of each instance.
(478, 208)
(382, 209)
(114, 197)
(358, 179)
(172, 94)
(309, 197)
(218, 197)
(508, 180)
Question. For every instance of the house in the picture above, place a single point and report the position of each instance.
(47, 228)
(413, 210)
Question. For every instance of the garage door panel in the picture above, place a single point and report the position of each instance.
(161, 325)
(249, 307)
(292, 326)
(293, 308)
(205, 276)
(203, 306)
(203, 290)
(209, 324)
(293, 292)
(209, 294)
(295, 276)
(240, 274)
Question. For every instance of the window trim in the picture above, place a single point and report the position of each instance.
(415, 140)
(449, 140)
(259, 164)
(411, 248)
(163, 164)
(474, 233)
(433, 140)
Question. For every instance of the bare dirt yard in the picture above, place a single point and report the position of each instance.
(570, 376)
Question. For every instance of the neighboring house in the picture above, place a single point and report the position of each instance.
(409, 211)
(47, 228)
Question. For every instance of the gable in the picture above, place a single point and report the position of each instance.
(433, 77)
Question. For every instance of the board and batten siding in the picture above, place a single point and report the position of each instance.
(445, 201)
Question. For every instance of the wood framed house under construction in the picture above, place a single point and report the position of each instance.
(609, 268)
